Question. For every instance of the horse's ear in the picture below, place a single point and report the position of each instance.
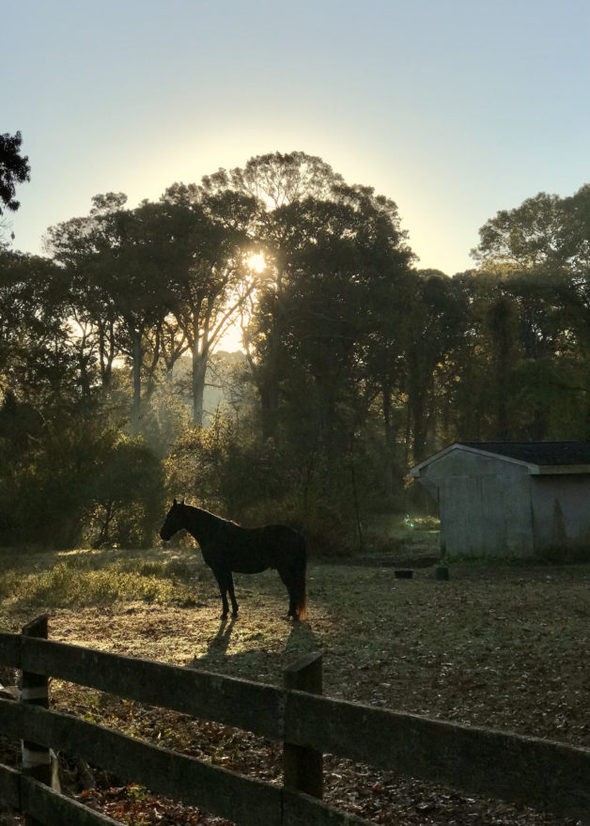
(182, 503)
(174, 503)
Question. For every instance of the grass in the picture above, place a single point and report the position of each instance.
(83, 579)
(501, 646)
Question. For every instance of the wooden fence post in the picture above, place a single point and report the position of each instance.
(36, 759)
(303, 767)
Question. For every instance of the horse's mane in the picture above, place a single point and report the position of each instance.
(210, 513)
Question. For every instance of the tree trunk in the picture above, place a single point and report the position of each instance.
(389, 434)
(200, 360)
(199, 371)
(136, 404)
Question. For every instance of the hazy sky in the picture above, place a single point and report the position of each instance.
(453, 108)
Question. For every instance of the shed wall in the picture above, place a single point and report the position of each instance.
(484, 505)
(561, 516)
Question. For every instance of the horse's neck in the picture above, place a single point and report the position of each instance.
(201, 524)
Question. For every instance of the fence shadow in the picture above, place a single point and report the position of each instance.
(302, 639)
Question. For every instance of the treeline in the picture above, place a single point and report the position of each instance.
(356, 364)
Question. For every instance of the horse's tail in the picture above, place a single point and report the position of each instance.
(299, 585)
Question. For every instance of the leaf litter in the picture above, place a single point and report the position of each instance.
(495, 646)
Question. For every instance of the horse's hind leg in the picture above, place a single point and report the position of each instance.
(232, 595)
(289, 580)
(292, 572)
(224, 587)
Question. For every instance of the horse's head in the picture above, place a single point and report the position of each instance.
(175, 520)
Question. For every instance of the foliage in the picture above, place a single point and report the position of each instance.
(14, 169)
(225, 469)
(83, 580)
(125, 499)
(356, 364)
(71, 475)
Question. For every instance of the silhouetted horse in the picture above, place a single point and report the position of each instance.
(227, 547)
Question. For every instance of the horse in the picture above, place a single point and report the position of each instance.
(227, 548)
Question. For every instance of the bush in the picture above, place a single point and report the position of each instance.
(79, 582)
(80, 480)
(225, 469)
(126, 497)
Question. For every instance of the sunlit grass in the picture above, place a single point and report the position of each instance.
(84, 580)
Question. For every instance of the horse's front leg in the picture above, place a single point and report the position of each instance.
(226, 585)
(222, 585)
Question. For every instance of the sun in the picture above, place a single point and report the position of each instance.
(256, 262)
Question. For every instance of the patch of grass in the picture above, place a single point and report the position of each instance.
(9, 583)
(80, 581)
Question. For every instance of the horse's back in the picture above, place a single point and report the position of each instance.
(286, 546)
(252, 550)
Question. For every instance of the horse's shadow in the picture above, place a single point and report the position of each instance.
(300, 642)
(218, 645)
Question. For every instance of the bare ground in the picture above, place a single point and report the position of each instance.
(499, 646)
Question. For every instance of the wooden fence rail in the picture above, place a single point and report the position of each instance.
(542, 774)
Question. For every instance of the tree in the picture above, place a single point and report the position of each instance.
(125, 496)
(540, 251)
(212, 285)
(36, 355)
(530, 236)
(77, 246)
(121, 264)
(14, 169)
(435, 316)
(277, 179)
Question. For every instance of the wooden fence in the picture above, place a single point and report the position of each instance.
(542, 774)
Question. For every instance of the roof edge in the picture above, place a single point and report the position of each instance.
(534, 469)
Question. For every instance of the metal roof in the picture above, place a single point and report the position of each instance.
(539, 457)
(538, 453)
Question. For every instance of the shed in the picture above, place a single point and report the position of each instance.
(515, 499)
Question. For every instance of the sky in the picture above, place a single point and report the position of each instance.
(454, 109)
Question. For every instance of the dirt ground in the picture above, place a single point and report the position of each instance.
(502, 646)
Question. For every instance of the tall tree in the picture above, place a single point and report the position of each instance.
(540, 252)
(122, 263)
(212, 285)
(435, 321)
(298, 192)
(36, 355)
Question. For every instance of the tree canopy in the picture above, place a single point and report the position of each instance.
(355, 363)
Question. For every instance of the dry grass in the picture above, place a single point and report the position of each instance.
(500, 646)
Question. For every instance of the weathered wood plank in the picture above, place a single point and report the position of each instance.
(219, 791)
(36, 760)
(10, 648)
(303, 810)
(9, 786)
(251, 706)
(24, 794)
(243, 800)
(539, 773)
(303, 769)
(54, 809)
